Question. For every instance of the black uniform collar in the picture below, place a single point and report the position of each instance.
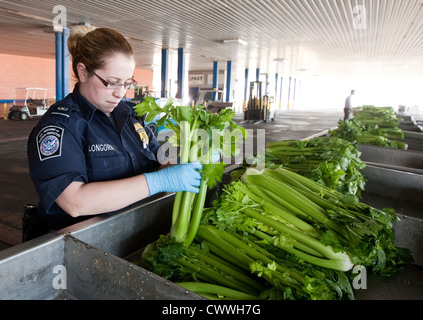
(120, 113)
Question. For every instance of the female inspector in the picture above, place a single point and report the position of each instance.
(89, 154)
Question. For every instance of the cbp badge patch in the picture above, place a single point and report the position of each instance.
(49, 142)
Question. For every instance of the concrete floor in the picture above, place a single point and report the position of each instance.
(16, 188)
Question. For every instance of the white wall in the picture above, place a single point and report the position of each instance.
(318, 92)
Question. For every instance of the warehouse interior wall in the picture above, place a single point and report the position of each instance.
(25, 71)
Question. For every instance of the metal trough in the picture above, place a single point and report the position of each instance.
(414, 140)
(97, 254)
(123, 233)
(408, 124)
(402, 191)
(414, 145)
(61, 266)
(405, 160)
(416, 136)
(407, 285)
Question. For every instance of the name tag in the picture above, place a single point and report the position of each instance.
(101, 147)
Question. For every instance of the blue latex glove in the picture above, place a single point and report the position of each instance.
(181, 177)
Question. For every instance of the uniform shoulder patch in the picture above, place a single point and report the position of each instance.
(49, 142)
(63, 110)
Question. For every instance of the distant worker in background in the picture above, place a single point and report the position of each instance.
(348, 109)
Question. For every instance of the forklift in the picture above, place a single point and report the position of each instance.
(259, 106)
(214, 106)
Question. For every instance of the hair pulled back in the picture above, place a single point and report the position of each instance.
(90, 45)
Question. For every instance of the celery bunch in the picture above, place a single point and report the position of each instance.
(278, 235)
(271, 234)
(200, 136)
(372, 125)
(319, 225)
(330, 161)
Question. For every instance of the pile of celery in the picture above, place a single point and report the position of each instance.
(372, 125)
(278, 235)
(273, 234)
(331, 161)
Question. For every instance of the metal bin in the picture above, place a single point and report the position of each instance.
(61, 266)
(405, 160)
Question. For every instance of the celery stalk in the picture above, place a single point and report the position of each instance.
(196, 213)
(181, 207)
(215, 276)
(212, 233)
(226, 269)
(297, 235)
(268, 206)
(308, 207)
(208, 289)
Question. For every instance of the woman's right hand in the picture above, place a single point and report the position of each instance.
(181, 177)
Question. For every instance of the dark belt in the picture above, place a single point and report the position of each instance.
(32, 225)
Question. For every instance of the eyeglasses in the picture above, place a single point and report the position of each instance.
(115, 85)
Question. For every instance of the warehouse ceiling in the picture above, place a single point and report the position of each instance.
(291, 37)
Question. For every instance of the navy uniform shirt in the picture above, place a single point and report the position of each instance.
(75, 141)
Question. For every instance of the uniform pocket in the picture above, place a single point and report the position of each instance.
(107, 165)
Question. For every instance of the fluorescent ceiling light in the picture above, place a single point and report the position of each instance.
(240, 41)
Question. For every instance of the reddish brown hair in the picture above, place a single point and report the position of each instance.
(91, 45)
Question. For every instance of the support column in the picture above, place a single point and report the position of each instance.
(228, 80)
(266, 86)
(62, 64)
(293, 95)
(59, 65)
(289, 91)
(258, 94)
(245, 103)
(276, 86)
(181, 73)
(298, 91)
(215, 79)
(280, 94)
(246, 85)
(164, 74)
(66, 63)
